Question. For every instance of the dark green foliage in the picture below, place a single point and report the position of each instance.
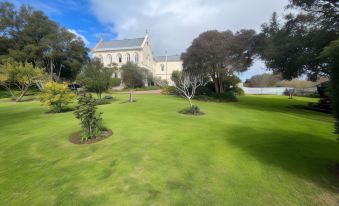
(95, 77)
(227, 96)
(105, 100)
(218, 54)
(332, 54)
(237, 91)
(264, 80)
(91, 122)
(30, 36)
(230, 80)
(133, 76)
(194, 110)
(115, 82)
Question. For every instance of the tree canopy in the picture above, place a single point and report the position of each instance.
(95, 77)
(133, 76)
(30, 36)
(217, 54)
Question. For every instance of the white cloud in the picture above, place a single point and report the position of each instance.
(174, 24)
(79, 35)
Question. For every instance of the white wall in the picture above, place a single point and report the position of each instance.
(166, 73)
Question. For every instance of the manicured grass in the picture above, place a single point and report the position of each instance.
(258, 151)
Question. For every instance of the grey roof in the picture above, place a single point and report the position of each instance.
(169, 58)
(119, 44)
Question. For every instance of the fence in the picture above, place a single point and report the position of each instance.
(278, 90)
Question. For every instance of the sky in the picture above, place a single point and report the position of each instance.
(171, 24)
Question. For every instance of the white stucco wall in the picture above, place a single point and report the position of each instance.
(169, 67)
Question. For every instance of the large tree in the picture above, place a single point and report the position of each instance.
(30, 36)
(293, 47)
(217, 54)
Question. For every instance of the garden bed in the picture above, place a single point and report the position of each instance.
(75, 138)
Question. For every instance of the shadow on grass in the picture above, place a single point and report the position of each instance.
(307, 156)
(290, 106)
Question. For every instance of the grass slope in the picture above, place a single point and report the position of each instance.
(259, 151)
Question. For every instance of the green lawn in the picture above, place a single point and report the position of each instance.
(258, 151)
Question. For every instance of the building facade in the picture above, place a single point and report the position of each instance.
(138, 51)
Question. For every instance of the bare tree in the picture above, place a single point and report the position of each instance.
(186, 83)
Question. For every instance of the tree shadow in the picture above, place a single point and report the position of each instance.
(305, 155)
(290, 106)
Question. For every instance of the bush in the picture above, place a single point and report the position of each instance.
(169, 90)
(204, 98)
(91, 122)
(208, 89)
(105, 100)
(237, 91)
(228, 96)
(56, 95)
(194, 110)
(115, 82)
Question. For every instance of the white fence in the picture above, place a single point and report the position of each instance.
(279, 90)
(265, 90)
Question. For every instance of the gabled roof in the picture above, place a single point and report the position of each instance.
(169, 58)
(123, 44)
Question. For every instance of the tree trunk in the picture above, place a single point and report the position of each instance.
(51, 68)
(131, 97)
(190, 102)
(22, 94)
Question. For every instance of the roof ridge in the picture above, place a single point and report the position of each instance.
(124, 39)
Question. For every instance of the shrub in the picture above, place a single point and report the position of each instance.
(91, 122)
(208, 89)
(194, 110)
(55, 95)
(115, 82)
(204, 98)
(169, 90)
(237, 91)
(105, 100)
(228, 96)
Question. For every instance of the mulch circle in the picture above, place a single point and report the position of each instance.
(75, 138)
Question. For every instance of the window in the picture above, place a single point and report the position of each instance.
(109, 59)
(119, 57)
(101, 59)
(128, 57)
(162, 66)
(136, 58)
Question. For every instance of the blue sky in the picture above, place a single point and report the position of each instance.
(172, 24)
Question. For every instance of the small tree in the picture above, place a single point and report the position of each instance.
(186, 84)
(21, 76)
(55, 95)
(133, 76)
(95, 77)
(91, 122)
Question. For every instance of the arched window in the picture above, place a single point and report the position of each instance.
(109, 59)
(162, 66)
(128, 57)
(119, 57)
(101, 59)
(136, 58)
